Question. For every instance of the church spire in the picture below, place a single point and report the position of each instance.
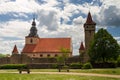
(15, 50)
(89, 19)
(33, 30)
(82, 46)
(33, 23)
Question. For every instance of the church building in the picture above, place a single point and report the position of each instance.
(38, 47)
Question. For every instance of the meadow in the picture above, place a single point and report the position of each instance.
(13, 74)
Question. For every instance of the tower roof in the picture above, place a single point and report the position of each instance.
(89, 19)
(82, 46)
(33, 30)
(33, 23)
(15, 50)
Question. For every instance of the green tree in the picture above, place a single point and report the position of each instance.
(64, 56)
(2, 55)
(104, 47)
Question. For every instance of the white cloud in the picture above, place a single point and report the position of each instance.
(48, 22)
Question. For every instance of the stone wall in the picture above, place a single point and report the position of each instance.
(24, 59)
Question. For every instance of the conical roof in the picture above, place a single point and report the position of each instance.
(89, 19)
(15, 50)
(82, 46)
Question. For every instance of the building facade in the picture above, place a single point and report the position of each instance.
(45, 47)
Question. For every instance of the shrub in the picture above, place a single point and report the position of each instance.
(118, 61)
(54, 66)
(13, 66)
(76, 66)
(87, 66)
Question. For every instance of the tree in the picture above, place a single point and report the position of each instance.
(2, 55)
(104, 47)
(64, 56)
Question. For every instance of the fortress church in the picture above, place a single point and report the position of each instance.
(37, 47)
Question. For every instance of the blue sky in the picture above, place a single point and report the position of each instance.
(55, 18)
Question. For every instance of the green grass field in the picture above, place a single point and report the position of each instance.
(114, 71)
(5, 75)
(15, 76)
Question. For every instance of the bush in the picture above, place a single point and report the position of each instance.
(87, 66)
(76, 66)
(118, 61)
(54, 66)
(13, 66)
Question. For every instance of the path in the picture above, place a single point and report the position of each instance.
(81, 74)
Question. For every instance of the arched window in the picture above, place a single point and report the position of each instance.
(31, 40)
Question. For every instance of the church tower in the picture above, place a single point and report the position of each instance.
(33, 37)
(89, 29)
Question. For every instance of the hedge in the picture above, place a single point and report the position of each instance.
(87, 66)
(13, 66)
(76, 65)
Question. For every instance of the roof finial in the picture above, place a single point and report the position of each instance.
(33, 17)
(33, 23)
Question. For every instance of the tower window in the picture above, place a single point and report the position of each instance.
(90, 32)
(31, 40)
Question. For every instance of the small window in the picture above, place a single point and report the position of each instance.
(48, 55)
(33, 54)
(56, 55)
(41, 55)
(31, 40)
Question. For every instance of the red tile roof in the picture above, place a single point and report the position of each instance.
(89, 19)
(82, 46)
(48, 45)
(15, 50)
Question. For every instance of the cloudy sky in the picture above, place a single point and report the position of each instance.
(55, 18)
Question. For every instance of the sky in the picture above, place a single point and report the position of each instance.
(55, 18)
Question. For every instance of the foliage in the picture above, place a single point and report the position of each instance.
(104, 47)
(13, 66)
(76, 65)
(2, 55)
(87, 66)
(64, 56)
(54, 66)
(118, 61)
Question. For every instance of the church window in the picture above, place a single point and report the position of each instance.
(31, 40)
(41, 55)
(56, 55)
(48, 55)
(33, 54)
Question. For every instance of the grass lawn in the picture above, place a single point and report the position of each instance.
(16, 76)
(115, 71)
